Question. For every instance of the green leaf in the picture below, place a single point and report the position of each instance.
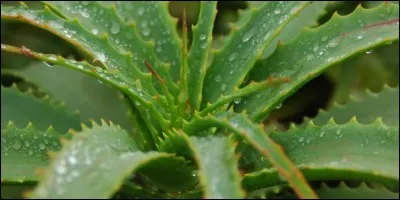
(96, 100)
(306, 18)
(343, 191)
(156, 24)
(198, 56)
(130, 190)
(366, 153)
(367, 108)
(124, 36)
(25, 107)
(231, 64)
(371, 70)
(317, 49)
(93, 164)
(269, 192)
(170, 174)
(254, 134)
(94, 47)
(361, 192)
(237, 93)
(24, 151)
(208, 152)
(218, 171)
(132, 90)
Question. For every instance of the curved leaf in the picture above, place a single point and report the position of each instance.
(25, 107)
(345, 192)
(79, 92)
(317, 49)
(24, 151)
(218, 168)
(133, 90)
(254, 134)
(367, 153)
(124, 36)
(384, 104)
(169, 174)
(95, 47)
(215, 158)
(306, 18)
(198, 56)
(156, 24)
(232, 63)
(93, 164)
(361, 192)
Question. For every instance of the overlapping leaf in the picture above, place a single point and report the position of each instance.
(24, 151)
(104, 166)
(133, 90)
(119, 66)
(25, 107)
(254, 134)
(155, 23)
(216, 161)
(231, 64)
(343, 191)
(367, 108)
(317, 49)
(366, 153)
(198, 56)
(124, 36)
(96, 100)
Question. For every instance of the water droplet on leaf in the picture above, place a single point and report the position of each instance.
(334, 42)
(233, 56)
(237, 100)
(203, 36)
(217, 78)
(17, 145)
(223, 87)
(115, 27)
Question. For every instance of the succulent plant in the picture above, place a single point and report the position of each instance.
(189, 121)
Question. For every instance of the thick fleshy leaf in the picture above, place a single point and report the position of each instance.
(96, 100)
(343, 191)
(371, 70)
(124, 36)
(93, 164)
(361, 192)
(132, 90)
(24, 151)
(198, 56)
(317, 49)
(155, 24)
(237, 93)
(232, 63)
(367, 108)
(217, 167)
(97, 48)
(367, 153)
(23, 107)
(269, 192)
(170, 174)
(306, 18)
(254, 134)
(216, 161)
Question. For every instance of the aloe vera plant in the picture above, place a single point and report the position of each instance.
(188, 120)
